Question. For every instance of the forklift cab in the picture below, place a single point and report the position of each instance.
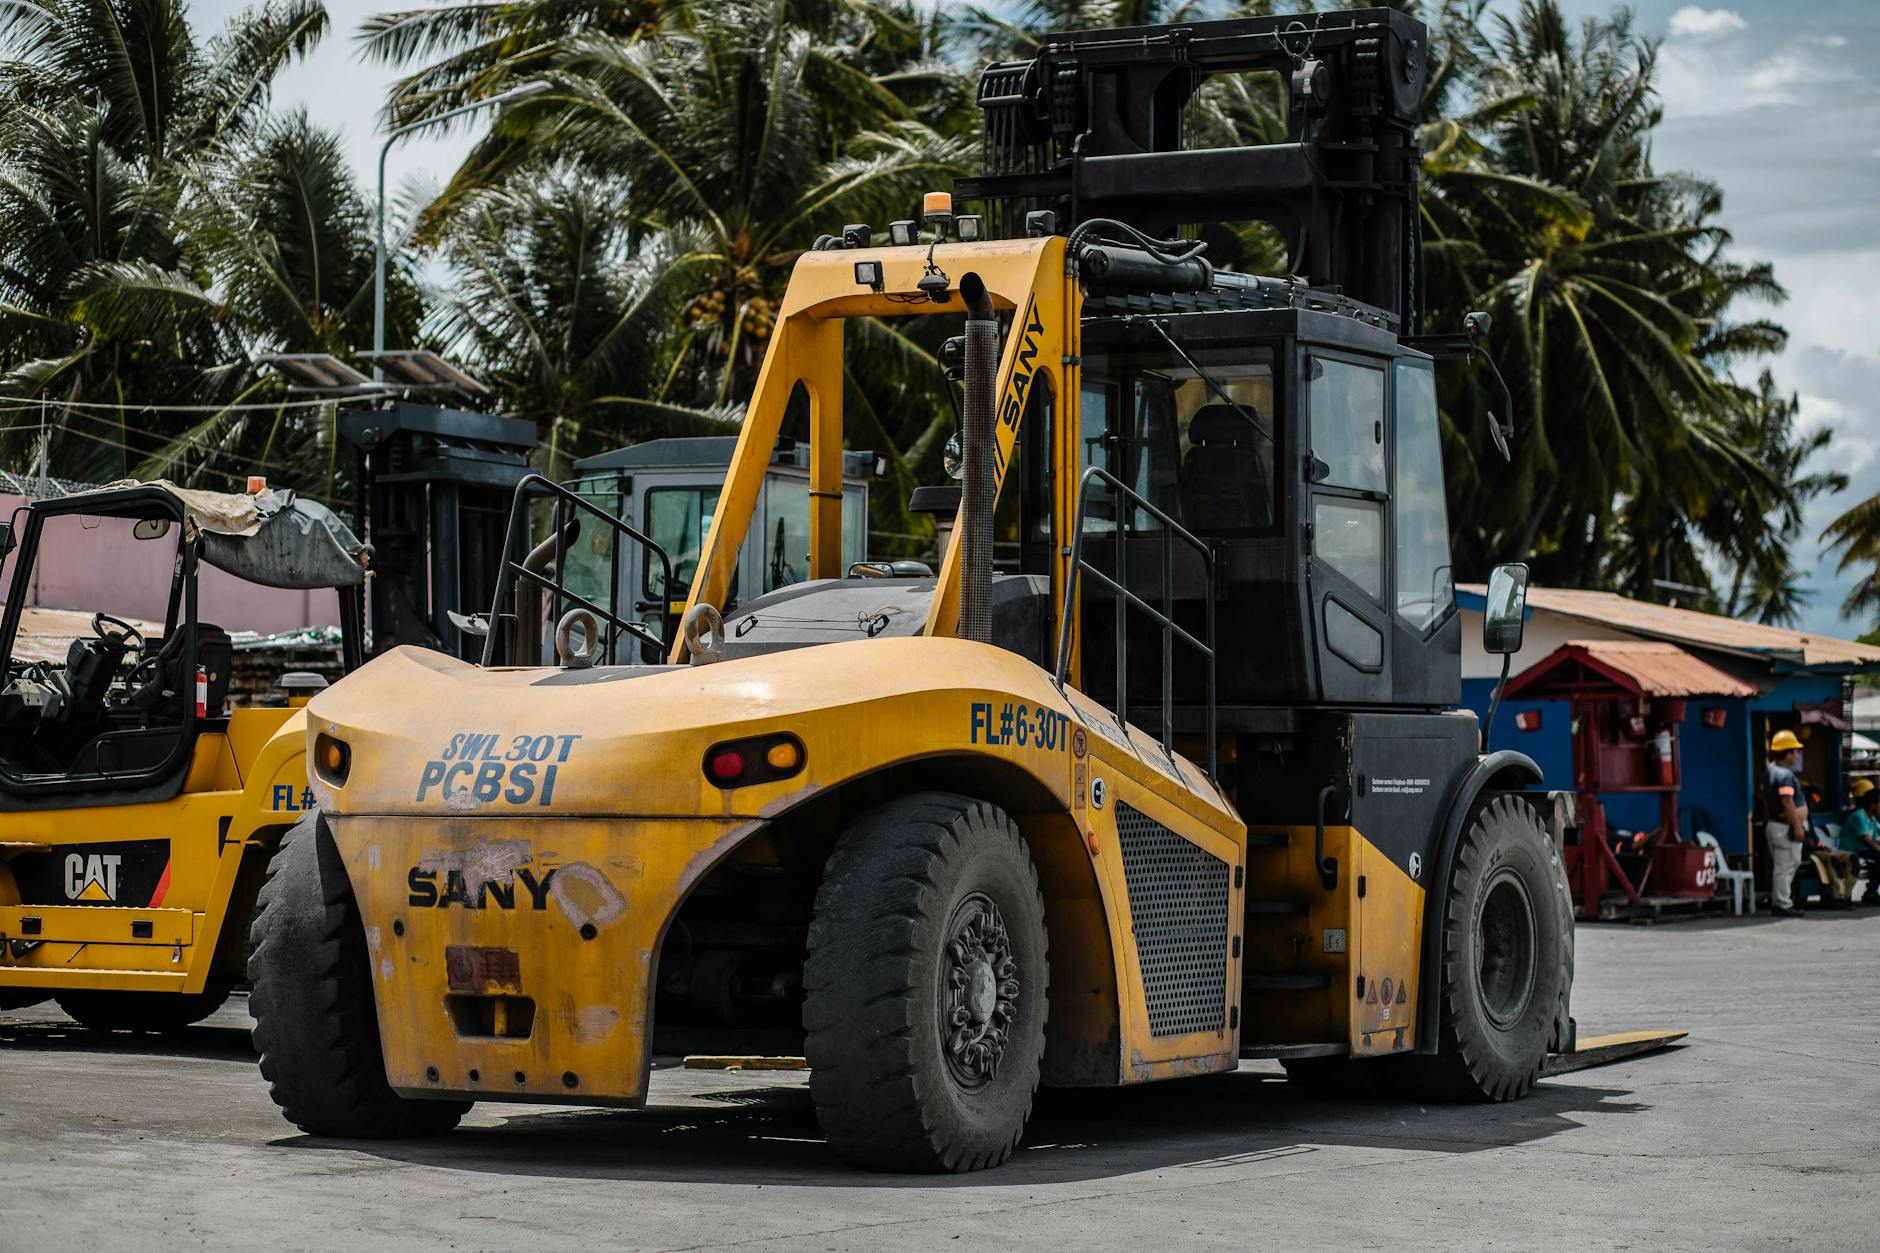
(101, 709)
(1303, 447)
(669, 489)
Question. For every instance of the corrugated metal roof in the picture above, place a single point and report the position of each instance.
(1704, 630)
(1644, 667)
(1662, 669)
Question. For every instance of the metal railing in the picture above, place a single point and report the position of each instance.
(1128, 502)
(534, 487)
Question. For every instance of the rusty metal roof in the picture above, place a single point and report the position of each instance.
(1642, 667)
(1701, 630)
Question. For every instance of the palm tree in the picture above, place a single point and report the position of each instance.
(855, 64)
(574, 327)
(105, 121)
(283, 233)
(1607, 283)
(715, 135)
(1755, 528)
(282, 227)
(1856, 534)
(99, 305)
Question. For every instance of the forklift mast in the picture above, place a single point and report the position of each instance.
(1288, 420)
(434, 495)
(1093, 128)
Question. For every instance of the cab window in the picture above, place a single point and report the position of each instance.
(591, 557)
(1425, 582)
(785, 535)
(678, 519)
(1346, 401)
(1202, 450)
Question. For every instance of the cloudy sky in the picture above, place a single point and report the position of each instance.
(1776, 100)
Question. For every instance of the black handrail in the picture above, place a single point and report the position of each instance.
(531, 487)
(1171, 531)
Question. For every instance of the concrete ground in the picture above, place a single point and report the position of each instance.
(1760, 1133)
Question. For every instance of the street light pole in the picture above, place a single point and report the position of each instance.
(397, 133)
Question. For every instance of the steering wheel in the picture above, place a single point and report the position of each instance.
(126, 637)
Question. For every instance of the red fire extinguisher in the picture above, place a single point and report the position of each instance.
(1661, 753)
(202, 692)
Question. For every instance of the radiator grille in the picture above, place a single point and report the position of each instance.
(1178, 898)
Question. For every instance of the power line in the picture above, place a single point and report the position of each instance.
(111, 443)
(230, 475)
(192, 443)
(266, 407)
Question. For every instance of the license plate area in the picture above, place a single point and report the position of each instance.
(482, 970)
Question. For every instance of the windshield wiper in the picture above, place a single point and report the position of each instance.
(1207, 378)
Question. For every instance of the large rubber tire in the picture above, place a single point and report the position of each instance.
(162, 1013)
(315, 1024)
(1507, 960)
(926, 986)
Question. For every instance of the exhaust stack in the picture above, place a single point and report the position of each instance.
(979, 489)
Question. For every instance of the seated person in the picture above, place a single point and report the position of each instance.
(1837, 872)
(1860, 835)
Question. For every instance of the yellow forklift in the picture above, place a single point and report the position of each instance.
(136, 808)
(1180, 785)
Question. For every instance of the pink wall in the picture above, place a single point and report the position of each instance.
(94, 564)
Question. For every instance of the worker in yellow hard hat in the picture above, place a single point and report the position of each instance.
(1860, 835)
(1786, 824)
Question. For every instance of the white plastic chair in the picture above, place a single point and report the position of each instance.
(1742, 882)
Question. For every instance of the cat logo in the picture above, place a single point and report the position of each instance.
(93, 878)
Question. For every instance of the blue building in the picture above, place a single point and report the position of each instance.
(1803, 682)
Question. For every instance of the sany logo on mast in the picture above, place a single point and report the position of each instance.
(1018, 387)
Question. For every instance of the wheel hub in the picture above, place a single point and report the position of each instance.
(1505, 947)
(979, 991)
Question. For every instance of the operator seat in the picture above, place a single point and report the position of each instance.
(1224, 474)
(172, 674)
(90, 666)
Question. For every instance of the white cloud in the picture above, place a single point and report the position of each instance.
(1853, 450)
(1834, 299)
(1693, 22)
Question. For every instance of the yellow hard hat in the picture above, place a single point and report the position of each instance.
(1861, 788)
(1783, 741)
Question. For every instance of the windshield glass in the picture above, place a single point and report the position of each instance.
(1201, 449)
(594, 552)
(678, 519)
(98, 678)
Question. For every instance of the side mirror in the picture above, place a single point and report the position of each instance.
(151, 528)
(7, 542)
(1504, 615)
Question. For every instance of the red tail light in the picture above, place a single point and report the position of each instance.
(759, 759)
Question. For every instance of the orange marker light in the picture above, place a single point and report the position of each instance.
(332, 758)
(937, 205)
(759, 759)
